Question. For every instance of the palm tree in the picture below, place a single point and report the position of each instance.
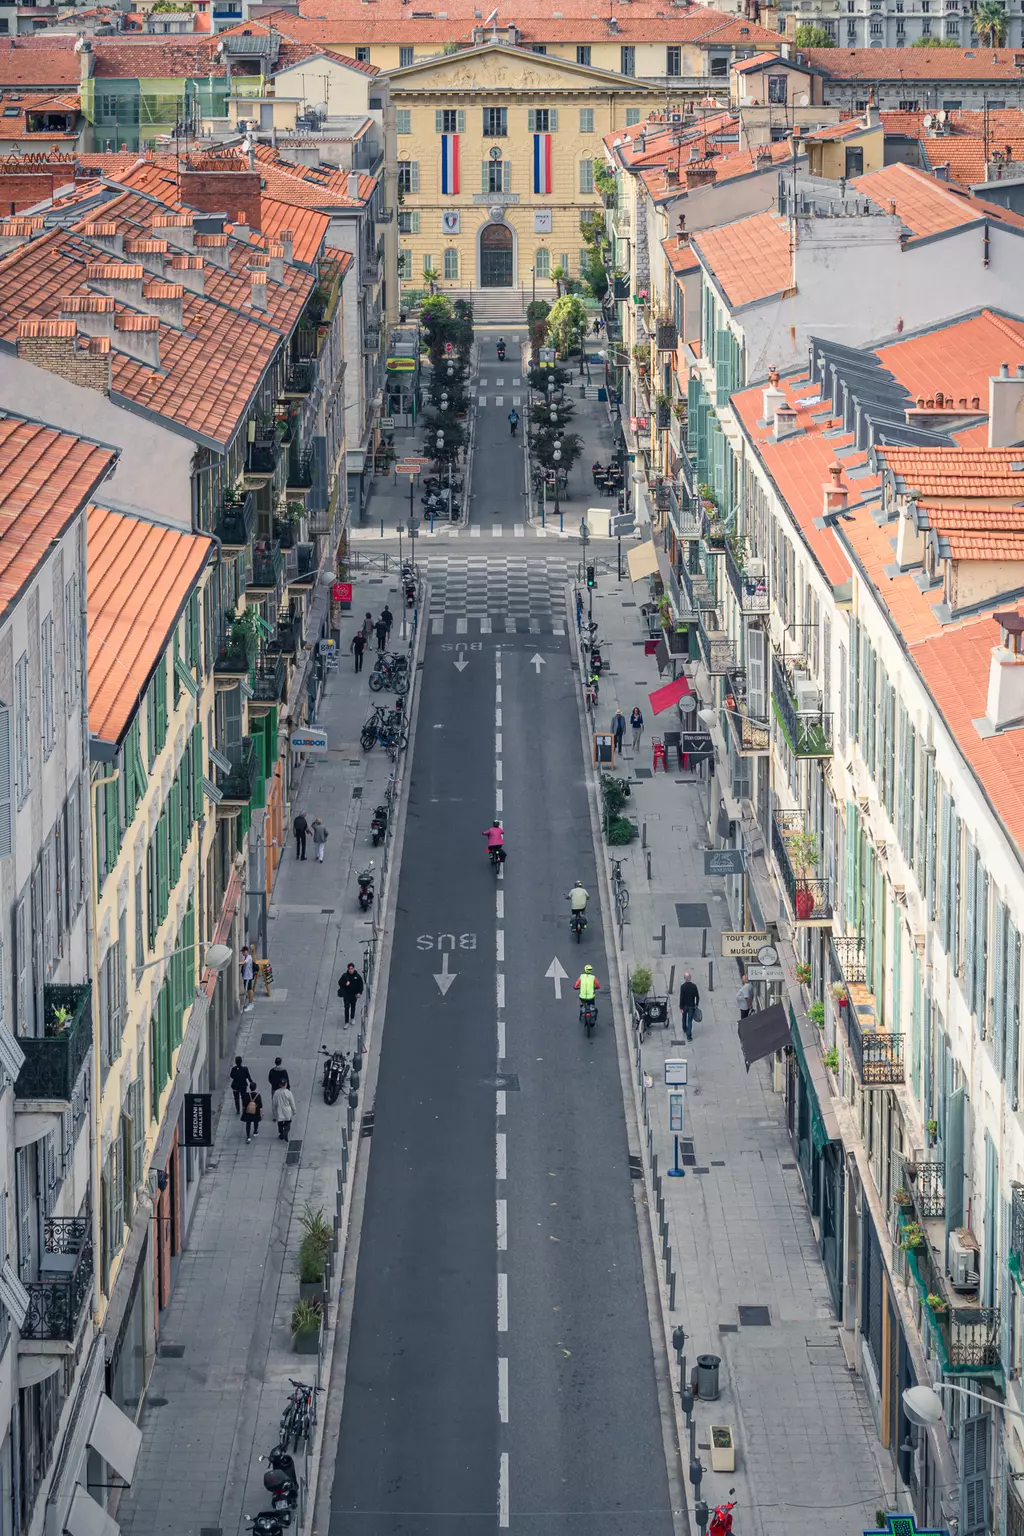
(559, 274)
(989, 21)
(431, 278)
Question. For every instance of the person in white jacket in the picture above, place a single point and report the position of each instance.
(284, 1110)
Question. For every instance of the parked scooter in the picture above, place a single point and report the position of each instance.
(269, 1522)
(721, 1520)
(280, 1480)
(366, 891)
(379, 824)
(335, 1075)
(409, 585)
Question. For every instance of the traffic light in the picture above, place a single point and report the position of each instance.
(591, 578)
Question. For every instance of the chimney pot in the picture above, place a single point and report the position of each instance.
(1004, 370)
(939, 398)
(963, 402)
(835, 495)
(1005, 702)
(258, 290)
(785, 422)
(975, 402)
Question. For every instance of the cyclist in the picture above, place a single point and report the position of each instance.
(513, 420)
(578, 897)
(495, 841)
(586, 984)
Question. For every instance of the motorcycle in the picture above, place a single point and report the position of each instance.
(366, 892)
(588, 1015)
(379, 824)
(577, 923)
(721, 1520)
(501, 351)
(409, 585)
(269, 1522)
(335, 1075)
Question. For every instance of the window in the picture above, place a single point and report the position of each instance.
(909, 106)
(901, 27)
(408, 222)
(497, 176)
(408, 175)
(542, 262)
(405, 58)
(584, 261)
(405, 264)
(994, 106)
(4, 27)
(875, 29)
(541, 120)
(403, 120)
(428, 264)
(540, 47)
(777, 89)
(632, 116)
(587, 116)
(627, 66)
(720, 67)
(583, 57)
(449, 120)
(451, 266)
(72, 642)
(495, 122)
(362, 55)
(21, 721)
(586, 175)
(46, 667)
(673, 61)
(951, 106)
(854, 161)
(851, 31)
(140, 949)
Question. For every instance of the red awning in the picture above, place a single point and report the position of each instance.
(663, 698)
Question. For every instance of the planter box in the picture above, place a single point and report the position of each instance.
(723, 1457)
(312, 1290)
(307, 1343)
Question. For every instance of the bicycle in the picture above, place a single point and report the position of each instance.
(299, 1417)
(388, 726)
(620, 890)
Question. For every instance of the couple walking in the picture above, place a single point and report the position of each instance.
(369, 627)
(302, 829)
(636, 725)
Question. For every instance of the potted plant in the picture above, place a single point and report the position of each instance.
(803, 974)
(936, 1303)
(59, 1021)
(641, 981)
(307, 1320)
(723, 1448)
(802, 848)
(841, 995)
(312, 1266)
(663, 407)
(816, 1013)
(831, 1059)
(901, 1195)
(912, 1237)
(665, 610)
(932, 1127)
(679, 410)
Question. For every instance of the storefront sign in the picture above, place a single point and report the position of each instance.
(497, 199)
(765, 973)
(725, 861)
(401, 365)
(341, 592)
(309, 739)
(198, 1120)
(740, 946)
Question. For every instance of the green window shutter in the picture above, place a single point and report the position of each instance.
(853, 913)
(999, 987)
(414, 176)
(506, 176)
(150, 725)
(483, 177)
(111, 825)
(197, 771)
(174, 832)
(194, 643)
(981, 946)
(176, 680)
(553, 121)
(942, 882)
(531, 121)
(897, 970)
(414, 224)
(438, 121)
(915, 1031)
(869, 913)
(160, 679)
(461, 120)
(1013, 1012)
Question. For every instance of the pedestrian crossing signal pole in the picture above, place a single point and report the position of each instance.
(591, 574)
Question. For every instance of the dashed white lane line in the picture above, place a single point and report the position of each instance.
(500, 945)
(500, 895)
(474, 533)
(501, 990)
(437, 625)
(496, 530)
(500, 1103)
(519, 531)
(500, 1158)
(497, 717)
(497, 770)
(485, 624)
(498, 400)
(497, 742)
(503, 1389)
(497, 693)
(503, 1491)
(499, 805)
(503, 1303)
(501, 1039)
(501, 1211)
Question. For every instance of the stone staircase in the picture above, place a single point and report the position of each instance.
(495, 306)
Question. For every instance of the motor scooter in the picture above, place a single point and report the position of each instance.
(365, 881)
(721, 1520)
(379, 824)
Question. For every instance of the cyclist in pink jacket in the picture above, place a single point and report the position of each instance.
(494, 835)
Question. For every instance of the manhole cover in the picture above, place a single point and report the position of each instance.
(292, 1157)
(295, 1146)
(789, 1167)
(717, 1165)
(171, 1351)
(728, 1328)
(692, 914)
(271, 1039)
(357, 793)
(754, 1317)
(641, 773)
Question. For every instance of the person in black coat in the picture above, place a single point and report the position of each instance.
(252, 1112)
(689, 999)
(240, 1080)
(300, 826)
(278, 1076)
(350, 989)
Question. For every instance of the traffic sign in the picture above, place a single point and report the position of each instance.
(624, 523)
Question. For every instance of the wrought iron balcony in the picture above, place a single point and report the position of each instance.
(261, 458)
(750, 734)
(267, 567)
(808, 730)
(53, 1060)
(846, 959)
(300, 378)
(233, 659)
(235, 520)
(300, 471)
(751, 593)
(371, 333)
(271, 676)
(715, 645)
(966, 1335)
(809, 896)
(58, 1300)
(237, 786)
(306, 564)
(877, 1054)
(927, 1181)
(666, 336)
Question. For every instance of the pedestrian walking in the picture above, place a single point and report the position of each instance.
(319, 839)
(283, 1106)
(240, 1080)
(252, 1112)
(277, 1076)
(300, 826)
(368, 627)
(358, 647)
(579, 612)
(744, 997)
(618, 730)
(636, 725)
(350, 989)
(689, 1002)
(381, 629)
(247, 971)
(388, 618)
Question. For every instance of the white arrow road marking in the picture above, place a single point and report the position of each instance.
(461, 664)
(446, 977)
(537, 661)
(558, 975)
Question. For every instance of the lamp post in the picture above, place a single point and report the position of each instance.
(533, 280)
(217, 957)
(557, 456)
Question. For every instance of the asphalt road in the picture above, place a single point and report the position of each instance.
(500, 1366)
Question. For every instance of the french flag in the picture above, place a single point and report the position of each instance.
(449, 164)
(542, 178)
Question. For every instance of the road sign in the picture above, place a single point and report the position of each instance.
(623, 524)
(407, 467)
(675, 1112)
(743, 945)
(675, 1072)
(765, 973)
(309, 739)
(725, 861)
(401, 365)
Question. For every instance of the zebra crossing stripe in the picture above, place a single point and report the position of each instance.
(558, 629)
(485, 626)
(519, 531)
(510, 625)
(496, 530)
(474, 533)
(437, 625)
(481, 399)
(461, 626)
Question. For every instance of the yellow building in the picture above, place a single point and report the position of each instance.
(496, 154)
(151, 697)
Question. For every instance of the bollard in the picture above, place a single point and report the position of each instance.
(649, 876)
(711, 975)
(703, 943)
(643, 835)
(661, 938)
(561, 522)
(671, 981)
(382, 527)
(672, 1292)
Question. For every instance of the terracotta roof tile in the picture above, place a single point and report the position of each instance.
(750, 259)
(908, 64)
(957, 359)
(140, 576)
(928, 206)
(328, 22)
(46, 476)
(729, 166)
(681, 257)
(39, 68)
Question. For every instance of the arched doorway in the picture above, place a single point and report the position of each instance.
(496, 256)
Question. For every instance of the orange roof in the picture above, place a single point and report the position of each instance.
(838, 131)
(750, 259)
(46, 477)
(944, 472)
(140, 576)
(1002, 546)
(928, 206)
(38, 68)
(908, 64)
(956, 360)
(680, 256)
(757, 62)
(655, 141)
(327, 22)
(729, 166)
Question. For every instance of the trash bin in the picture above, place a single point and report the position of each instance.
(707, 1377)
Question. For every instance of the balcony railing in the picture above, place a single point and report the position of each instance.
(809, 897)
(300, 471)
(53, 1060)
(237, 785)
(715, 645)
(751, 593)
(928, 1182)
(847, 959)
(751, 734)
(271, 674)
(877, 1055)
(233, 659)
(808, 731)
(371, 333)
(59, 1298)
(306, 564)
(235, 521)
(300, 377)
(966, 1336)
(267, 567)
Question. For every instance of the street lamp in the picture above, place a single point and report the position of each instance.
(217, 957)
(533, 278)
(557, 456)
(923, 1405)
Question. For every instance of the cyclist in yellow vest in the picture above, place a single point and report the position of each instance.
(586, 984)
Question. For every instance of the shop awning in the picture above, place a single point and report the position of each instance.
(116, 1438)
(642, 560)
(663, 698)
(763, 1033)
(86, 1518)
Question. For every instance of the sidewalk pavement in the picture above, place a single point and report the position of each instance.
(738, 1224)
(220, 1381)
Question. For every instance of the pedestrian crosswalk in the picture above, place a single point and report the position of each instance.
(500, 400)
(502, 624)
(484, 594)
(446, 531)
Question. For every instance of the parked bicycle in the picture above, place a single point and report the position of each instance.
(620, 890)
(387, 726)
(390, 672)
(299, 1418)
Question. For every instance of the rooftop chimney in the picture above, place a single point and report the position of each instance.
(138, 336)
(287, 240)
(353, 185)
(682, 234)
(275, 263)
(1006, 408)
(836, 495)
(785, 422)
(103, 234)
(120, 279)
(214, 251)
(15, 232)
(152, 253)
(189, 271)
(165, 301)
(54, 346)
(1005, 703)
(240, 227)
(91, 314)
(86, 58)
(178, 229)
(258, 290)
(771, 398)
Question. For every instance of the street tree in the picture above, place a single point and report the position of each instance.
(567, 323)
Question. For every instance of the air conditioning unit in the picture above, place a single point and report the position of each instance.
(807, 697)
(755, 569)
(963, 1259)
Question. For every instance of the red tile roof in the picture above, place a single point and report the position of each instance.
(908, 64)
(46, 477)
(836, 131)
(928, 206)
(681, 256)
(957, 359)
(38, 68)
(750, 259)
(758, 61)
(140, 576)
(728, 167)
(985, 472)
(654, 141)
